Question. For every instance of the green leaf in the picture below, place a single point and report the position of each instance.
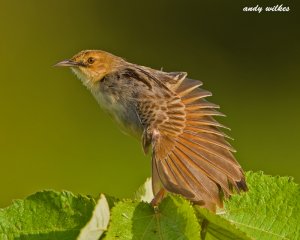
(111, 201)
(98, 223)
(144, 192)
(269, 210)
(46, 215)
(216, 227)
(174, 219)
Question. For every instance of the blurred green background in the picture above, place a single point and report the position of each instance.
(54, 135)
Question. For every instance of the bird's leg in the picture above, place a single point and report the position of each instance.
(158, 197)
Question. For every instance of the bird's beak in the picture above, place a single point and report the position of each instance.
(67, 63)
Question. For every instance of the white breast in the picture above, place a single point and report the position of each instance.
(124, 115)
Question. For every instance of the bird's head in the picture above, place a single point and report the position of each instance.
(91, 65)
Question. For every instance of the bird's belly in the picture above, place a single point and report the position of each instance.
(123, 113)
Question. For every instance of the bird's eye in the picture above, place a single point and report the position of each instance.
(91, 60)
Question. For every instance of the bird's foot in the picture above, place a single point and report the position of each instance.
(158, 197)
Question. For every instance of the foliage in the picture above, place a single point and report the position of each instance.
(270, 210)
(173, 219)
(46, 215)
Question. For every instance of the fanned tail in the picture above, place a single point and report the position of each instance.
(195, 160)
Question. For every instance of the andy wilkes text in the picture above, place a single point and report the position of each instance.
(259, 9)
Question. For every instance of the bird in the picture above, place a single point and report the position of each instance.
(168, 112)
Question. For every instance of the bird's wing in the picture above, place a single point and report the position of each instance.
(190, 154)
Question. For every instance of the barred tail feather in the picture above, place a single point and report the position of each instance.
(198, 163)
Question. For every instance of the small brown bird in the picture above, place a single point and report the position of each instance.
(168, 112)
